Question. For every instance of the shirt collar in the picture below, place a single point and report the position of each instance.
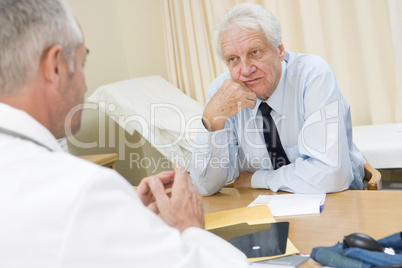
(21, 122)
(275, 101)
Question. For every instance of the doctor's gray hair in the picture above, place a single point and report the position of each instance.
(28, 28)
(248, 16)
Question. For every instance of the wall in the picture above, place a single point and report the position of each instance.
(124, 37)
(125, 40)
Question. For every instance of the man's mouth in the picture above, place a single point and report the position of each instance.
(252, 81)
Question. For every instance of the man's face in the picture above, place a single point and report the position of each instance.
(72, 91)
(251, 59)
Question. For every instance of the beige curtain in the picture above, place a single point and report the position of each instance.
(360, 39)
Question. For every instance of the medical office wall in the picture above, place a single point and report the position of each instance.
(124, 37)
(125, 40)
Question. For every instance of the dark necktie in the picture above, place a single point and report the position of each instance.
(272, 140)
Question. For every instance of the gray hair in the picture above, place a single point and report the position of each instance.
(27, 29)
(248, 16)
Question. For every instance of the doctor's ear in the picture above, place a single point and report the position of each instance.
(52, 64)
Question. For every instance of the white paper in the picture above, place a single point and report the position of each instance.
(291, 204)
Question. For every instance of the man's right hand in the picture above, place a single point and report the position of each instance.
(230, 99)
(183, 208)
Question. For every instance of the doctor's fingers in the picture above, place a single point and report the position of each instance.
(196, 199)
(161, 197)
(183, 188)
(166, 177)
(181, 181)
(187, 204)
(153, 207)
(186, 189)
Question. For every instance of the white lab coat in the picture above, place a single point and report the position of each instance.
(57, 210)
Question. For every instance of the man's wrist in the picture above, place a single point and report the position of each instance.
(213, 125)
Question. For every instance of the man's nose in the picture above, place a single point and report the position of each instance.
(248, 68)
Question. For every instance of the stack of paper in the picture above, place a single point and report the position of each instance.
(291, 204)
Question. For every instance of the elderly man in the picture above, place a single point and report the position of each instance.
(60, 211)
(276, 119)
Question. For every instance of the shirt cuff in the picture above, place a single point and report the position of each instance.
(260, 179)
(215, 138)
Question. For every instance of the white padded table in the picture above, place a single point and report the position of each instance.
(380, 144)
(158, 110)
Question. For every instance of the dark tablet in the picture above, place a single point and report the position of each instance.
(256, 240)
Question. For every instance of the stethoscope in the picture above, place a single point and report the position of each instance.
(18, 135)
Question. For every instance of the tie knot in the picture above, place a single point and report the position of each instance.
(265, 109)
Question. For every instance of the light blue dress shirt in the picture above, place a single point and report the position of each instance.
(314, 126)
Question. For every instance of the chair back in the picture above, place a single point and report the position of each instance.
(372, 177)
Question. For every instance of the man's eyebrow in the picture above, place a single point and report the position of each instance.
(258, 46)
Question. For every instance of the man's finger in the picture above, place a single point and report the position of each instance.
(251, 96)
(249, 104)
(242, 85)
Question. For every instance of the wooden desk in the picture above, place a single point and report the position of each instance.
(376, 213)
(106, 160)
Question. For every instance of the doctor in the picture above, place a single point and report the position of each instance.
(60, 211)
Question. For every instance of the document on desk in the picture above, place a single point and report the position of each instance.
(291, 204)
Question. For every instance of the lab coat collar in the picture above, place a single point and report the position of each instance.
(19, 121)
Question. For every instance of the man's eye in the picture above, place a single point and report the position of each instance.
(231, 60)
(255, 52)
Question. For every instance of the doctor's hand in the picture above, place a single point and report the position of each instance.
(183, 209)
(144, 191)
(230, 99)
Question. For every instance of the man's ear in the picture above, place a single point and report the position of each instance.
(281, 51)
(52, 64)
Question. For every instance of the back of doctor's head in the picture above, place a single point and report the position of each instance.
(27, 29)
(248, 16)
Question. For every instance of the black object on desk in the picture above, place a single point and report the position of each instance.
(256, 240)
